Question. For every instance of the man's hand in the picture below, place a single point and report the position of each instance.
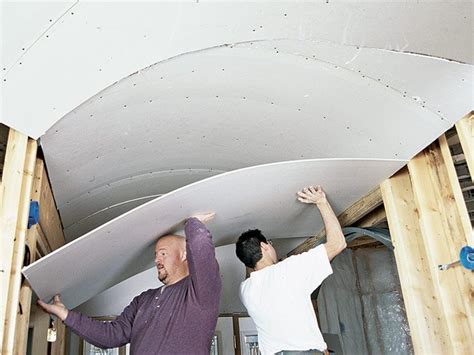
(56, 308)
(312, 194)
(205, 217)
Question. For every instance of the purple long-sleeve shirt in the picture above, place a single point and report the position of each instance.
(176, 319)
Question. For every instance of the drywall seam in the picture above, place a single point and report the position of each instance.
(102, 187)
(240, 44)
(44, 33)
(416, 100)
(113, 206)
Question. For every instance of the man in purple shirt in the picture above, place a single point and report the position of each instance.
(177, 318)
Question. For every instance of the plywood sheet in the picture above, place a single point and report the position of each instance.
(102, 48)
(262, 196)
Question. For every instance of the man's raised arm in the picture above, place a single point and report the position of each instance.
(335, 241)
(203, 266)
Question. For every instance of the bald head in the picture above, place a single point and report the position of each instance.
(175, 241)
(170, 259)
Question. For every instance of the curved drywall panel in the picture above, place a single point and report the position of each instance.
(94, 44)
(262, 197)
(444, 87)
(106, 202)
(23, 24)
(230, 107)
(113, 300)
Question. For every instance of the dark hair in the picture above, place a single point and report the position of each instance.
(248, 249)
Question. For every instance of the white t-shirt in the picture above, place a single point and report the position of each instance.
(278, 298)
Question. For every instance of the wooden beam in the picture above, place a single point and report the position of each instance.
(465, 129)
(445, 229)
(456, 196)
(373, 219)
(19, 249)
(23, 319)
(48, 214)
(12, 180)
(429, 224)
(40, 325)
(43, 245)
(352, 214)
(361, 208)
(429, 335)
(59, 346)
(364, 242)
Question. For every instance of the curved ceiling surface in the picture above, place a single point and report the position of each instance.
(261, 197)
(157, 96)
(229, 107)
(74, 49)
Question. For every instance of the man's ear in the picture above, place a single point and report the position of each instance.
(263, 245)
(184, 256)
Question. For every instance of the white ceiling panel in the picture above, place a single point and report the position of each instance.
(102, 204)
(262, 197)
(23, 23)
(236, 106)
(442, 86)
(93, 44)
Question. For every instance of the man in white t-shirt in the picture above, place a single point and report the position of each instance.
(277, 295)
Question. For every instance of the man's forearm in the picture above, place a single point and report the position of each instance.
(335, 241)
(99, 333)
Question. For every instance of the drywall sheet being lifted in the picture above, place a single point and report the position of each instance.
(262, 197)
(103, 48)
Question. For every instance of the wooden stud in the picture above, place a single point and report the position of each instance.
(456, 194)
(444, 234)
(429, 334)
(373, 219)
(236, 327)
(355, 212)
(465, 130)
(48, 214)
(19, 249)
(42, 242)
(59, 346)
(40, 323)
(23, 319)
(12, 180)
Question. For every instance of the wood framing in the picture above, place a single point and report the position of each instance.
(12, 181)
(40, 325)
(465, 130)
(48, 214)
(23, 319)
(59, 346)
(39, 245)
(19, 248)
(355, 212)
(23, 178)
(372, 219)
(429, 224)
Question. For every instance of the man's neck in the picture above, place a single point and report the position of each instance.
(262, 264)
(177, 279)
